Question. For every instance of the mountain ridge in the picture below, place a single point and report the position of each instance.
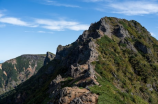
(113, 62)
(13, 69)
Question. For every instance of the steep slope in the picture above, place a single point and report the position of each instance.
(17, 70)
(115, 61)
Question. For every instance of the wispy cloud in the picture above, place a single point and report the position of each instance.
(55, 3)
(13, 21)
(41, 32)
(135, 7)
(44, 32)
(61, 25)
(152, 34)
(127, 7)
(38, 32)
(55, 25)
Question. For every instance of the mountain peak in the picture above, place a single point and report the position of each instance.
(114, 61)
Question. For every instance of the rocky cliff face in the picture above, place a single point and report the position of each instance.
(16, 71)
(49, 57)
(114, 61)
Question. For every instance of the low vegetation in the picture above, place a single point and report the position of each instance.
(126, 76)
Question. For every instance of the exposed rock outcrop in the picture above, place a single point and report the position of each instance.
(55, 84)
(143, 48)
(120, 32)
(129, 45)
(49, 56)
(75, 95)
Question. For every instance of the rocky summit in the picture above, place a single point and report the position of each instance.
(115, 61)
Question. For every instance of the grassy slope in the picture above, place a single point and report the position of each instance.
(125, 74)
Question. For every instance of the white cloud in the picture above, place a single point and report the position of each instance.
(41, 32)
(61, 25)
(152, 34)
(38, 32)
(78, 27)
(44, 32)
(56, 25)
(135, 7)
(55, 3)
(14, 21)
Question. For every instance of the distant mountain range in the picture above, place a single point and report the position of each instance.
(1, 61)
(115, 61)
(17, 70)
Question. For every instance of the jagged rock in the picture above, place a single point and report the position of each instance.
(105, 27)
(67, 94)
(62, 51)
(75, 95)
(49, 57)
(129, 45)
(75, 71)
(120, 32)
(90, 71)
(89, 98)
(76, 101)
(55, 84)
(60, 48)
(56, 81)
(142, 48)
(93, 52)
(102, 26)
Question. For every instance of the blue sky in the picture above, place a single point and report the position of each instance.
(38, 26)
